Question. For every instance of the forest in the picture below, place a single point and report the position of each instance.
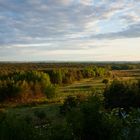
(70, 101)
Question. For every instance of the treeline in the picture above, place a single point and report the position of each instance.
(23, 86)
(12, 67)
(65, 75)
(124, 66)
(26, 85)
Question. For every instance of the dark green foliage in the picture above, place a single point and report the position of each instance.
(122, 94)
(139, 85)
(40, 114)
(60, 131)
(88, 121)
(16, 129)
(2, 115)
(105, 81)
(8, 90)
(69, 103)
(131, 129)
(123, 66)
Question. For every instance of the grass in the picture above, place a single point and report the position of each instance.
(85, 86)
(51, 111)
(82, 86)
(45, 112)
(51, 107)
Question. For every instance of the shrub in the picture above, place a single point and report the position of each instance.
(69, 103)
(8, 90)
(122, 94)
(40, 114)
(51, 91)
(17, 129)
(2, 115)
(88, 121)
(105, 81)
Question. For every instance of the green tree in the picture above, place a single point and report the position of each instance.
(122, 94)
(51, 91)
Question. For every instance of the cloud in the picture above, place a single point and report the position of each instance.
(65, 24)
(132, 31)
(86, 2)
(131, 17)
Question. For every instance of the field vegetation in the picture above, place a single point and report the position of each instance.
(69, 101)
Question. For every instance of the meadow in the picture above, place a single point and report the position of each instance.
(49, 117)
(84, 87)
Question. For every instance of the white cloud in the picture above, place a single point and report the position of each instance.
(67, 27)
(65, 2)
(86, 2)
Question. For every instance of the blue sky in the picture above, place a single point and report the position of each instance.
(69, 30)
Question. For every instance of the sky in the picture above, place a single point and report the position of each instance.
(69, 30)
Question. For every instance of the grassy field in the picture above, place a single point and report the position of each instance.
(43, 116)
(134, 74)
(85, 86)
(50, 111)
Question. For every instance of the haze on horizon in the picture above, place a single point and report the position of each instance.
(69, 30)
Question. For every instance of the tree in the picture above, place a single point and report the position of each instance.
(105, 81)
(122, 94)
(51, 91)
(89, 122)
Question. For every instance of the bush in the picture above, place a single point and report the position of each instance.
(105, 81)
(122, 94)
(69, 103)
(88, 121)
(40, 114)
(8, 90)
(60, 131)
(132, 125)
(2, 115)
(51, 91)
(17, 129)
